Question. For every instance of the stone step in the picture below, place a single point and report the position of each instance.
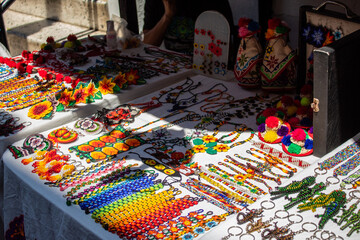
(26, 32)
(86, 13)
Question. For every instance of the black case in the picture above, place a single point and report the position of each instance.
(336, 75)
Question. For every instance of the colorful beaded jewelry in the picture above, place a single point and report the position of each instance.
(31, 144)
(63, 135)
(348, 166)
(280, 155)
(341, 156)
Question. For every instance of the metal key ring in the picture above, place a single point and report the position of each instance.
(278, 211)
(318, 171)
(332, 177)
(295, 215)
(352, 194)
(247, 234)
(267, 201)
(327, 232)
(236, 233)
(308, 223)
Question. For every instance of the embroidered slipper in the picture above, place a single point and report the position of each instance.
(249, 55)
(273, 130)
(298, 143)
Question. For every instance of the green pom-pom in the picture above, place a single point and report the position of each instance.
(281, 29)
(295, 149)
(305, 102)
(69, 44)
(261, 119)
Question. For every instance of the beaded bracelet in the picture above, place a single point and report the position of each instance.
(240, 178)
(273, 161)
(240, 196)
(235, 185)
(116, 177)
(280, 154)
(116, 192)
(340, 156)
(113, 179)
(348, 166)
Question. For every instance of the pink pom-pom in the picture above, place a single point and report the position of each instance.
(243, 32)
(299, 134)
(272, 122)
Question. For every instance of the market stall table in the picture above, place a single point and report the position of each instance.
(44, 209)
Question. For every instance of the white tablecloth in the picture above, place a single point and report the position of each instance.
(46, 216)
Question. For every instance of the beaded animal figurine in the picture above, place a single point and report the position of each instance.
(294, 187)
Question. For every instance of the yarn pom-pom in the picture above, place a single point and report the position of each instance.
(50, 40)
(72, 37)
(273, 23)
(286, 140)
(308, 144)
(261, 127)
(299, 134)
(295, 149)
(272, 122)
(243, 22)
(294, 121)
(270, 136)
(283, 131)
(269, 112)
(311, 130)
(261, 119)
(286, 100)
(305, 102)
(291, 110)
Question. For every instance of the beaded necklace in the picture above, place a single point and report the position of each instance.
(9, 125)
(88, 173)
(6, 73)
(177, 58)
(209, 143)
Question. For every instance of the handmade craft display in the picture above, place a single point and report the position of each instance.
(249, 55)
(211, 45)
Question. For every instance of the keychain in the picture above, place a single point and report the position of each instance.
(233, 231)
(254, 213)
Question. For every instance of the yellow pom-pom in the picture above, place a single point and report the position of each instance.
(57, 45)
(270, 136)
(69, 44)
(291, 110)
(279, 105)
(43, 45)
(305, 102)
